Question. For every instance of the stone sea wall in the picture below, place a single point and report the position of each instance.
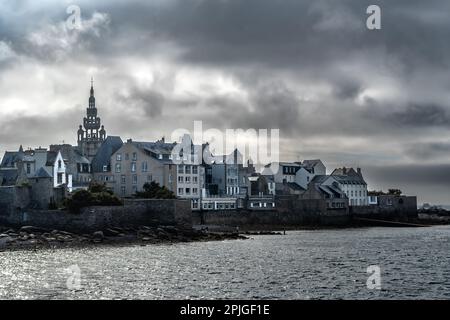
(132, 213)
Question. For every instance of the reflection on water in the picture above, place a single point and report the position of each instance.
(415, 263)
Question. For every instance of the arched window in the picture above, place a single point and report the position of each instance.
(59, 164)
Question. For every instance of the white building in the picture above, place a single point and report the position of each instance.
(353, 185)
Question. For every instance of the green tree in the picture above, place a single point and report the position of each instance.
(154, 191)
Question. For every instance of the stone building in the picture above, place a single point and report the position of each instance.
(137, 163)
(77, 165)
(353, 185)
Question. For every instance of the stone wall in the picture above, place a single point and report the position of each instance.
(389, 207)
(133, 213)
(290, 212)
(14, 198)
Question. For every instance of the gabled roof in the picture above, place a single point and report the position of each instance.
(158, 147)
(10, 158)
(70, 153)
(51, 158)
(42, 173)
(295, 186)
(311, 163)
(8, 177)
(348, 175)
(104, 153)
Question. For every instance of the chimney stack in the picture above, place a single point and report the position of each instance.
(359, 171)
(344, 170)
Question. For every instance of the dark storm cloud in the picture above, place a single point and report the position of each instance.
(33, 131)
(150, 101)
(310, 68)
(424, 175)
(271, 107)
(429, 151)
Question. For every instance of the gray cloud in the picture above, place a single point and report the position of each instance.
(310, 68)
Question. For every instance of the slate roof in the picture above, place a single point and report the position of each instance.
(311, 163)
(42, 173)
(349, 177)
(104, 153)
(158, 147)
(70, 153)
(10, 158)
(51, 158)
(8, 177)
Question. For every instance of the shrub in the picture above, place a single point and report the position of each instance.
(154, 191)
(96, 195)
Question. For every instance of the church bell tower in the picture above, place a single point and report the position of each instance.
(91, 134)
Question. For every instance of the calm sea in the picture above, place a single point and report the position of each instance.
(414, 263)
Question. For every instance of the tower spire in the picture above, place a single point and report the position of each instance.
(92, 86)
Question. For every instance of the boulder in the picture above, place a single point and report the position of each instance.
(98, 235)
(32, 229)
(111, 233)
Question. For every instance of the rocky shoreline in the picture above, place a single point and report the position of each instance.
(33, 238)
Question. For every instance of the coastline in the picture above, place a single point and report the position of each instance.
(32, 238)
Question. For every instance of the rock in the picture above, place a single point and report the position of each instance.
(32, 229)
(98, 235)
(65, 233)
(5, 241)
(111, 233)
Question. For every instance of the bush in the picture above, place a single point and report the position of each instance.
(96, 195)
(154, 191)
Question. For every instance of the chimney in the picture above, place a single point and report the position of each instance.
(129, 140)
(359, 171)
(344, 170)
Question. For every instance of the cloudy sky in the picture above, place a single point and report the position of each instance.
(336, 90)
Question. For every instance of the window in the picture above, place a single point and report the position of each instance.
(28, 168)
(149, 177)
(180, 179)
(194, 179)
(118, 168)
(135, 179)
(194, 191)
(60, 177)
(123, 191)
(194, 170)
(123, 179)
(119, 157)
(59, 164)
(188, 191)
(188, 169)
(133, 167)
(134, 156)
(134, 189)
(188, 179)
(170, 178)
(180, 169)
(127, 156)
(180, 190)
(144, 166)
(105, 168)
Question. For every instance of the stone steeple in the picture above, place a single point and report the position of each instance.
(91, 134)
